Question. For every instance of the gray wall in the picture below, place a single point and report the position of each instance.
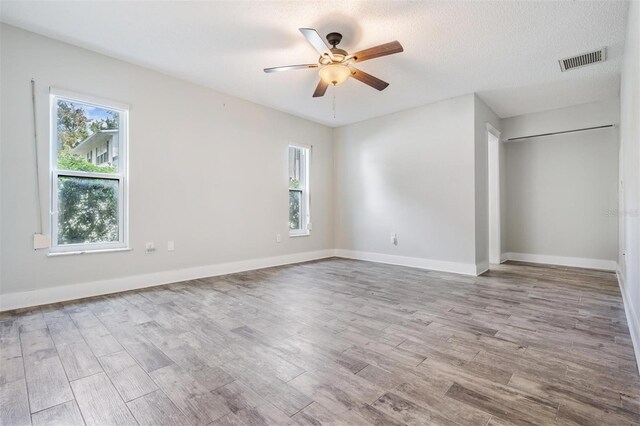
(207, 170)
(410, 173)
(561, 195)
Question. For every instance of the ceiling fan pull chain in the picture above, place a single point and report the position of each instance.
(334, 102)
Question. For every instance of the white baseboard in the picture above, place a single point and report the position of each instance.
(413, 262)
(96, 288)
(632, 319)
(577, 262)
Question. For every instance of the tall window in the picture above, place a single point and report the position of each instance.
(88, 174)
(298, 190)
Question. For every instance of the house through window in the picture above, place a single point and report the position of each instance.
(103, 154)
(88, 202)
(299, 191)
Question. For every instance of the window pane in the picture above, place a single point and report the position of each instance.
(88, 137)
(294, 209)
(87, 210)
(294, 167)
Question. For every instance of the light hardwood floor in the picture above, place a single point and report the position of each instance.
(334, 341)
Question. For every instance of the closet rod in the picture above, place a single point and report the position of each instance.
(559, 133)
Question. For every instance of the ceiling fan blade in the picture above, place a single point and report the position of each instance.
(377, 51)
(320, 89)
(316, 41)
(291, 67)
(368, 79)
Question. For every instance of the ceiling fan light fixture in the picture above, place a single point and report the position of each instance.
(337, 65)
(334, 73)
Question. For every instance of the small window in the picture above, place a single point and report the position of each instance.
(88, 189)
(299, 218)
(103, 155)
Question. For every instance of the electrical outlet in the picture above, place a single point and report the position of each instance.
(278, 238)
(149, 247)
(394, 239)
(40, 241)
(171, 246)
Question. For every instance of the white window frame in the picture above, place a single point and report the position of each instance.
(122, 175)
(305, 204)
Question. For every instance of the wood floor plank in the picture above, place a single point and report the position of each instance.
(100, 341)
(199, 405)
(78, 360)
(132, 382)
(446, 407)
(375, 416)
(99, 402)
(501, 407)
(316, 414)
(63, 331)
(37, 345)
(66, 414)
(129, 379)
(11, 369)
(47, 384)
(334, 394)
(238, 396)
(409, 413)
(156, 408)
(31, 319)
(148, 356)
(265, 414)
(282, 395)
(591, 403)
(14, 405)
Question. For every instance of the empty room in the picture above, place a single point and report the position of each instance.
(317, 212)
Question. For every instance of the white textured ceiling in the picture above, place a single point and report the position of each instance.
(505, 51)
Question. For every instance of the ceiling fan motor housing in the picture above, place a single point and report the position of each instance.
(334, 39)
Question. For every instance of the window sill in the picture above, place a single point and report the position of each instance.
(70, 253)
(301, 234)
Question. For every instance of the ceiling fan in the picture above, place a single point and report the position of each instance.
(336, 65)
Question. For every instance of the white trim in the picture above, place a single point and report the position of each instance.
(87, 99)
(632, 319)
(301, 233)
(491, 129)
(122, 175)
(412, 262)
(305, 195)
(578, 262)
(300, 145)
(80, 290)
(72, 253)
(493, 171)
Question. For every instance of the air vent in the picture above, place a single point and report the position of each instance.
(583, 60)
